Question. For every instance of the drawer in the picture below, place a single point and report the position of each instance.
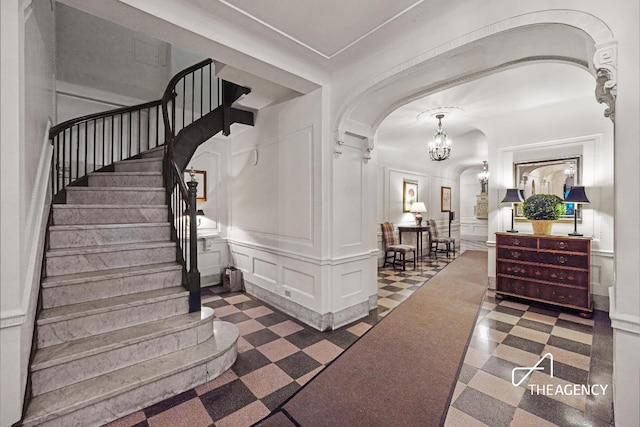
(518, 254)
(565, 260)
(561, 295)
(549, 274)
(569, 245)
(524, 242)
(518, 287)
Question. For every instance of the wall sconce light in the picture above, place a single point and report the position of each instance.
(577, 196)
(483, 177)
(513, 195)
(199, 214)
(418, 208)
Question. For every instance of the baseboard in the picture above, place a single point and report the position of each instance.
(321, 322)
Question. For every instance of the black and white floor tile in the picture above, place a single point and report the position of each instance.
(278, 355)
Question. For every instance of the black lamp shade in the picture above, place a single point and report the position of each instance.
(576, 195)
(513, 196)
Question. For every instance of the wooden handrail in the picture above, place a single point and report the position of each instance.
(55, 130)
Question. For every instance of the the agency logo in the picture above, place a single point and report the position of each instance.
(529, 370)
(554, 389)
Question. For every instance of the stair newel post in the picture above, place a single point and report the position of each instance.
(194, 274)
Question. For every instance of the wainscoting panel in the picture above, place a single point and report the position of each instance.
(272, 190)
(299, 282)
(265, 270)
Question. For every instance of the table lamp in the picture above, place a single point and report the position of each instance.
(418, 208)
(577, 196)
(513, 196)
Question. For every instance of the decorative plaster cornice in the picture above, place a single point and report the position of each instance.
(591, 25)
(358, 130)
(470, 77)
(605, 92)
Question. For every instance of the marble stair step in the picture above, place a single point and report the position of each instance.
(106, 257)
(88, 286)
(153, 164)
(71, 214)
(71, 322)
(111, 396)
(116, 195)
(125, 179)
(60, 365)
(71, 236)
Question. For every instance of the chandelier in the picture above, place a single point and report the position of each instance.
(569, 172)
(440, 146)
(483, 177)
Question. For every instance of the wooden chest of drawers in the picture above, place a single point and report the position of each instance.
(549, 269)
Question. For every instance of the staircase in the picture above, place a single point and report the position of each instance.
(115, 334)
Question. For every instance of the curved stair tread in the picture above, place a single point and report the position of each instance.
(84, 347)
(109, 248)
(83, 309)
(71, 398)
(114, 273)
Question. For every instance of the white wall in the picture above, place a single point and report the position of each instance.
(101, 55)
(274, 195)
(572, 129)
(469, 189)
(27, 105)
(212, 157)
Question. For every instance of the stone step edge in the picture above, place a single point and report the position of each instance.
(122, 189)
(96, 206)
(105, 305)
(120, 247)
(59, 354)
(145, 160)
(131, 173)
(73, 227)
(49, 405)
(114, 273)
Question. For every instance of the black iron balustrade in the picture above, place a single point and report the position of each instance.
(90, 143)
(189, 96)
(195, 106)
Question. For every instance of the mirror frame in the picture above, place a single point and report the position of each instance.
(520, 173)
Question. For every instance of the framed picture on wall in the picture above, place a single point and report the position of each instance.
(409, 195)
(445, 199)
(201, 177)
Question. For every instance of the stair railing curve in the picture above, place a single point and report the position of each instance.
(94, 142)
(191, 94)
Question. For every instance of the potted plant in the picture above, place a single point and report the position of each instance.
(543, 210)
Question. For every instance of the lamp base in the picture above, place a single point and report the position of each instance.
(512, 231)
(418, 219)
(575, 234)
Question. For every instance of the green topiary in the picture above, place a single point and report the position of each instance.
(544, 206)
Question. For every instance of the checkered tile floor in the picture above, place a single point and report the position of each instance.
(512, 334)
(278, 355)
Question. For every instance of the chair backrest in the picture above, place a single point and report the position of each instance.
(433, 228)
(388, 234)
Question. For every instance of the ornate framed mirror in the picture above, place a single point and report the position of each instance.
(553, 176)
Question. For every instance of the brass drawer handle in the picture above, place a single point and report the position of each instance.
(515, 254)
(516, 242)
(561, 259)
(562, 275)
(562, 245)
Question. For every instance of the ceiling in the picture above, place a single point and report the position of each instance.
(335, 32)
(332, 34)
